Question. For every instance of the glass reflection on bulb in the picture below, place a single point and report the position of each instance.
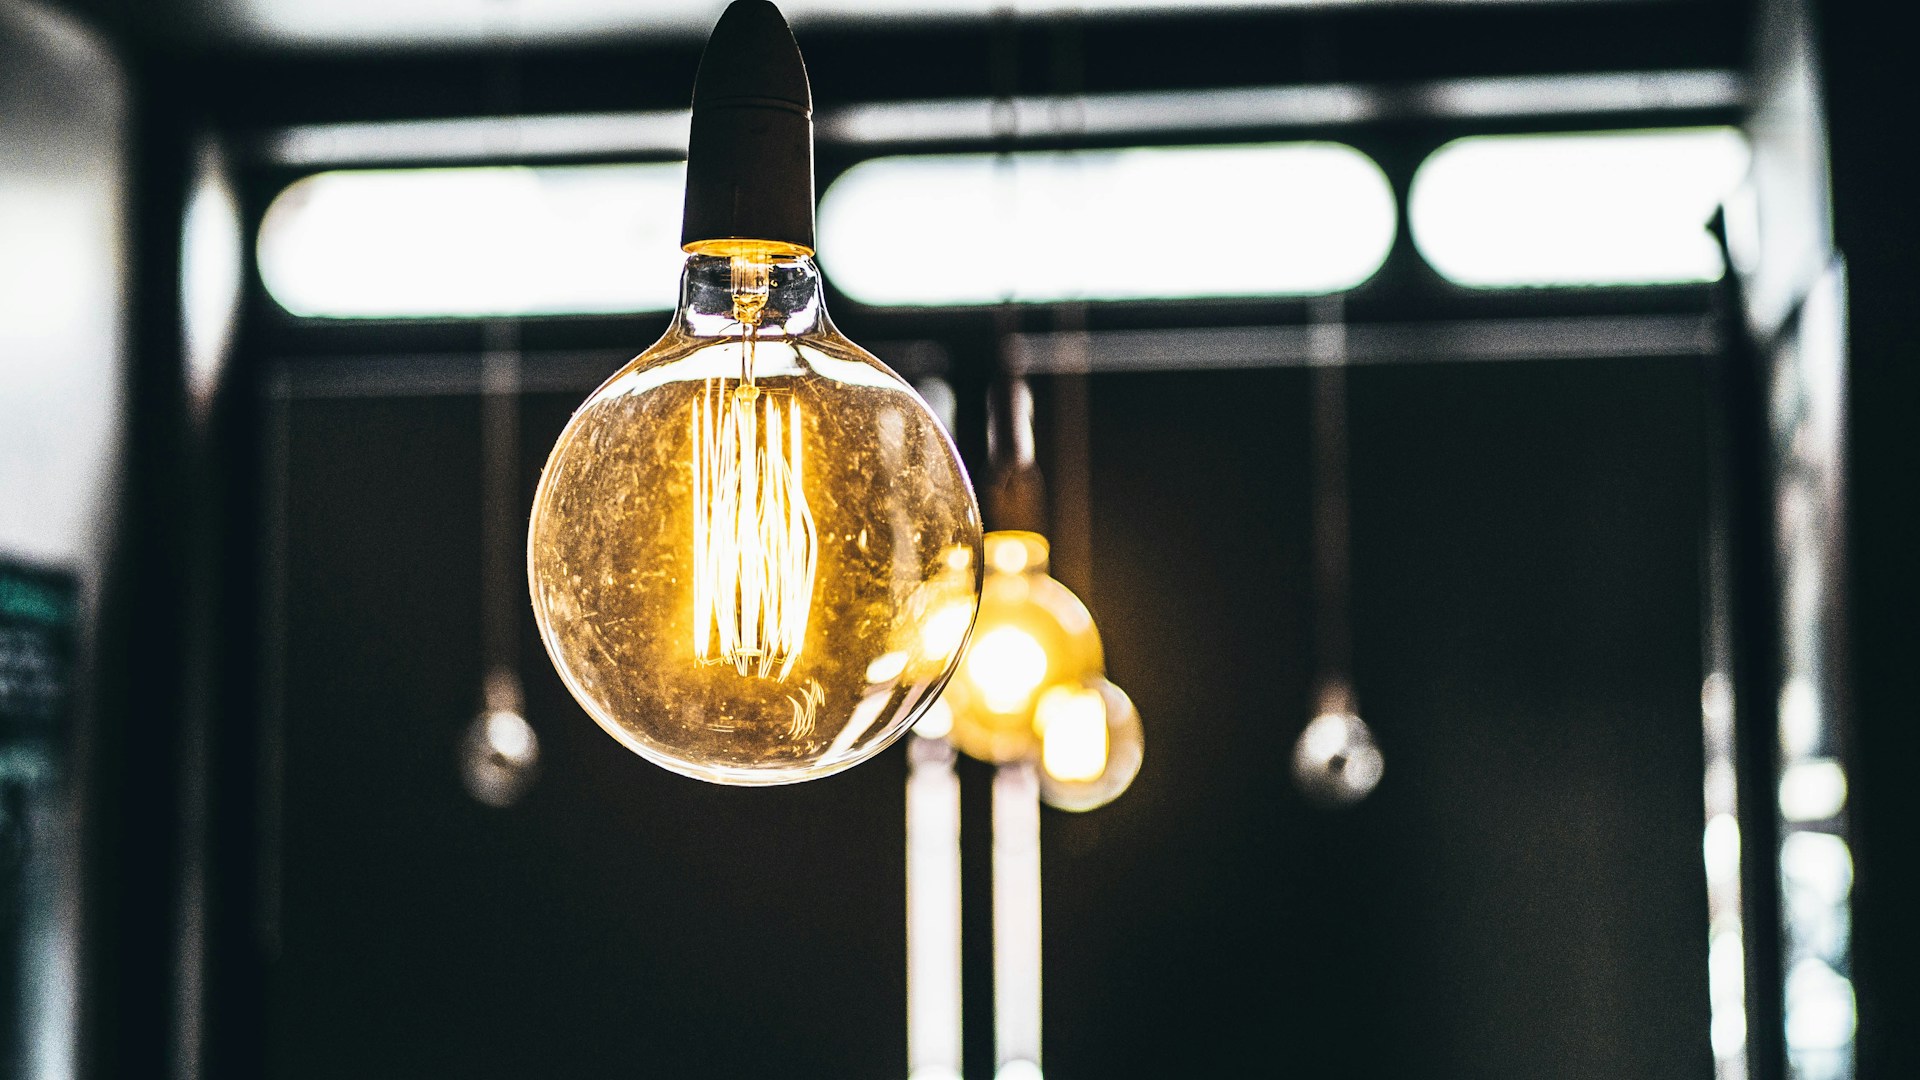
(754, 554)
(1091, 744)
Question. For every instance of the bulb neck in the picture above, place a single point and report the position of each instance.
(770, 293)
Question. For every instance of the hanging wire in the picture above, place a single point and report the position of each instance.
(500, 752)
(1015, 496)
(1332, 580)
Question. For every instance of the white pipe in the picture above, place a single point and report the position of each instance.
(933, 912)
(1016, 922)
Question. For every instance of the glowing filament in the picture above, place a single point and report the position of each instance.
(755, 548)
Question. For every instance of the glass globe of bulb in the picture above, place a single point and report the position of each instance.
(499, 757)
(1091, 744)
(754, 554)
(1335, 760)
(1032, 633)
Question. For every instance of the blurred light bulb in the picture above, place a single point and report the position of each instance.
(1335, 760)
(1014, 552)
(1032, 632)
(1008, 666)
(1072, 721)
(1091, 744)
(499, 757)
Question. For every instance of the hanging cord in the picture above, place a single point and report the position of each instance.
(501, 527)
(500, 751)
(1332, 554)
(1335, 761)
(1071, 468)
(1015, 495)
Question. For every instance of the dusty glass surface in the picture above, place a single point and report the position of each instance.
(754, 554)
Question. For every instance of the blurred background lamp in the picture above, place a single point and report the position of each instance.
(1335, 760)
(499, 757)
(1091, 744)
(1072, 721)
(1813, 790)
(1032, 633)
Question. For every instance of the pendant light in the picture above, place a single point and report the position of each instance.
(1032, 683)
(499, 753)
(1335, 760)
(754, 554)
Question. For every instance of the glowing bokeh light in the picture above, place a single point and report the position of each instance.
(1137, 223)
(1608, 208)
(424, 243)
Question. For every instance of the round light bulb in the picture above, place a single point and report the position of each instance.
(754, 553)
(1007, 665)
(499, 757)
(1091, 744)
(1032, 633)
(1335, 760)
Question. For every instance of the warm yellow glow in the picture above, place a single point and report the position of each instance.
(936, 722)
(754, 554)
(1006, 665)
(1016, 552)
(1031, 632)
(752, 249)
(1091, 744)
(754, 541)
(946, 629)
(1072, 722)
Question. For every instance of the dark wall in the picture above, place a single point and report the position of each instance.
(1522, 897)
(1867, 76)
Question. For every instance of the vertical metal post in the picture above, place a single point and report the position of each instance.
(1016, 922)
(933, 911)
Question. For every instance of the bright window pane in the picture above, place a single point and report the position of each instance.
(1614, 208)
(1145, 223)
(471, 242)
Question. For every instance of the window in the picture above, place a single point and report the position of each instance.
(1614, 208)
(1144, 223)
(473, 242)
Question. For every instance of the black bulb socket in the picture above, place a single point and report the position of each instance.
(750, 148)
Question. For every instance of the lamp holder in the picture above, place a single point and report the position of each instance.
(750, 145)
